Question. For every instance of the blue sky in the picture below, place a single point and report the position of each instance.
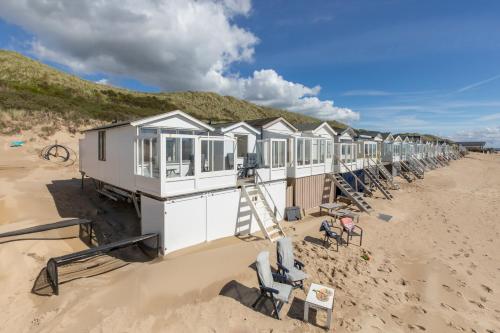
(427, 66)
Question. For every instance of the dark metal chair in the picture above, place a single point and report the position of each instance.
(330, 234)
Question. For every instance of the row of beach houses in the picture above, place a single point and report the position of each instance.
(193, 182)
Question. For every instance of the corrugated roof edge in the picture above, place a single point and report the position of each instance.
(111, 125)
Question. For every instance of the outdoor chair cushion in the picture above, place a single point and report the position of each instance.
(285, 290)
(285, 253)
(295, 274)
(347, 223)
(326, 228)
(264, 269)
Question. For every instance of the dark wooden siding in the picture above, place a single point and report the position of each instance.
(289, 196)
(310, 192)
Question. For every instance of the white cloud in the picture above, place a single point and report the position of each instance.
(103, 82)
(478, 84)
(174, 45)
(489, 134)
(490, 117)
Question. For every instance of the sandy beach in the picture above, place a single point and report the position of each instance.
(434, 266)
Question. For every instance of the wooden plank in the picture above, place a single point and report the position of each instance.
(312, 191)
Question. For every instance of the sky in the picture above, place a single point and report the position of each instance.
(399, 66)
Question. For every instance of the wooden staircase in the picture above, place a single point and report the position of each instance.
(402, 173)
(369, 171)
(262, 212)
(427, 164)
(436, 162)
(420, 164)
(385, 174)
(439, 161)
(443, 160)
(356, 197)
(409, 167)
(413, 163)
(430, 163)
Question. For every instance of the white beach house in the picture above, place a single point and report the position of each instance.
(311, 163)
(182, 175)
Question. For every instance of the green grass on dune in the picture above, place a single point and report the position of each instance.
(38, 91)
(28, 85)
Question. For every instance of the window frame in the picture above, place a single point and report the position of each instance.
(206, 174)
(101, 146)
(237, 137)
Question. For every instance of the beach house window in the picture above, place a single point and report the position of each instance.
(101, 145)
(347, 153)
(179, 157)
(147, 157)
(187, 153)
(242, 145)
(278, 154)
(172, 150)
(262, 148)
(217, 154)
(322, 148)
(300, 152)
(344, 152)
(329, 149)
(315, 151)
(307, 151)
(370, 150)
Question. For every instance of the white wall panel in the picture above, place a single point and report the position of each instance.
(222, 214)
(185, 222)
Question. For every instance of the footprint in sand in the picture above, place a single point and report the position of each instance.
(479, 305)
(419, 309)
(447, 306)
(414, 327)
(397, 320)
(447, 288)
(487, 289)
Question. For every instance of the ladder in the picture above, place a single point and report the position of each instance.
(444, 160)
(366, 190)
(425, 162)
(403, 173)
(436, 162)
(265, 216)
(416, 166)
(420, 164)
(431, 163)
(374, 179)
(356, 197)
(385, 173)
(410, 168)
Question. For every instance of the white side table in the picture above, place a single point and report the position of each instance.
(313, 302)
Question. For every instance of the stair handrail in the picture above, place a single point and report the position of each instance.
(254, 211)
(386, 171)
(422, 167)
(355, 177)
(259, 188)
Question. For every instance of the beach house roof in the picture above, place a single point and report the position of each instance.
(155, 119)
(265, 123)
(316, 128)
(227, 127)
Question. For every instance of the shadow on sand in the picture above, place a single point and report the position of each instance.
(113, 221)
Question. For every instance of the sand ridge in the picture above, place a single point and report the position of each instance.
(433, 267)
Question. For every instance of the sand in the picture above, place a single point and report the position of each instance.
(434, 266)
